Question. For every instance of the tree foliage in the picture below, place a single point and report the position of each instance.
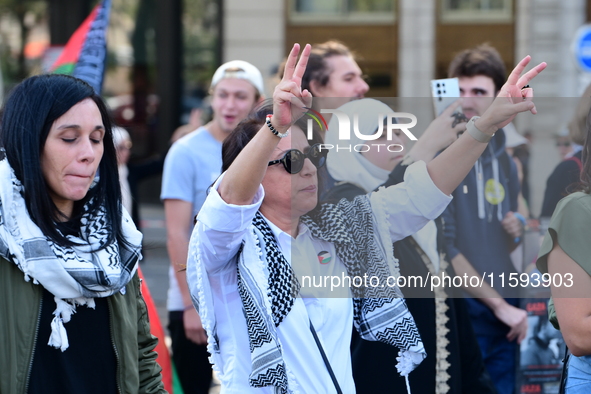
(22, 14)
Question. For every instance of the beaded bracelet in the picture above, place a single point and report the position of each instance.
(274, 130)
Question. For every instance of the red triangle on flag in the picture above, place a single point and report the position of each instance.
(71, 52)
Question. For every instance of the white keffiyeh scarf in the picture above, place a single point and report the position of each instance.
(74, 275)
(364, 246)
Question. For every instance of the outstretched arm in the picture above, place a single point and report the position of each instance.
(246, 173)
(449, 168)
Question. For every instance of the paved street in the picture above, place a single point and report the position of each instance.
(155, 262)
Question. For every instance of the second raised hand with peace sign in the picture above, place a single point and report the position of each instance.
(512, 98)
(242, 179)
(449, 168)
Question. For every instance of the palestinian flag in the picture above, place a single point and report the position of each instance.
(164, 359)
(85, 53)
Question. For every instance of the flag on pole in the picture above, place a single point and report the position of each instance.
(85, 54)
(84, 57)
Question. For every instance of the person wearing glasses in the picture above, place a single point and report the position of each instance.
(334, 78)
(564, 145)
(261, 244)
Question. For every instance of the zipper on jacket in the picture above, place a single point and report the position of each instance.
(34, 345)
(114, 348)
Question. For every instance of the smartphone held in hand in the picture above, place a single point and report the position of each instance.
(444, 92)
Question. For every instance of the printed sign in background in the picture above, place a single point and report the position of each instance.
(541, 352)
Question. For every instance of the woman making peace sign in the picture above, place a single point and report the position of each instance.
(260, 233)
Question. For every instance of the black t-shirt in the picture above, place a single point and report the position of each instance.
(88, 365)
(561, 183)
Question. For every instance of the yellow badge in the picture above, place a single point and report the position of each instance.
(494, 192)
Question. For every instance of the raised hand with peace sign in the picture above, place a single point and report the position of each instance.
(512, 98)
(449, 168)
(288, 97)
(243, 177)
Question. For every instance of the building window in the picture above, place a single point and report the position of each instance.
(341, 11)
(470, 11)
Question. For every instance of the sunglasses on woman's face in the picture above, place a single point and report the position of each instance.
(293, 160)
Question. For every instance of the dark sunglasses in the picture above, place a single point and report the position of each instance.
(293, 160)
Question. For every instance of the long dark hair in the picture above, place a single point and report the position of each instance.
(26, 119)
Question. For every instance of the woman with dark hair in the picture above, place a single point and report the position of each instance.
(333, 76)
(261, 244)
(564, 259)
(73, 317)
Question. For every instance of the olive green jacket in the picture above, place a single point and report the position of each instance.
(20, 306)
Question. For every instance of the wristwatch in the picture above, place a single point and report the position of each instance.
(477, 134)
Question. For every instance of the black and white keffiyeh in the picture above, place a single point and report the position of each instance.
(74, 275)
(283, 287)
(267, 286)
(283, 284)
(362, 241)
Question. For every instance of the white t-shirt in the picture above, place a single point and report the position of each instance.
(191, 166)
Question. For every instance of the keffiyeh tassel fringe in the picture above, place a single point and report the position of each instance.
(62, 314)
(407, 362)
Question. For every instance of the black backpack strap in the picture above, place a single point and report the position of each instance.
(564, 373)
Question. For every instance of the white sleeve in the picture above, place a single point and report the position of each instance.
(411, 204)
(220, 229)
